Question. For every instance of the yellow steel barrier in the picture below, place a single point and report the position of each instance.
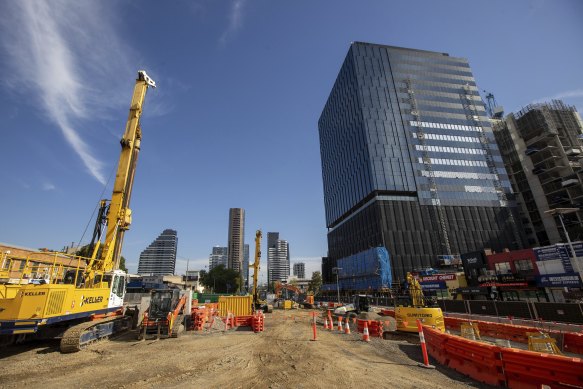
(237, 305)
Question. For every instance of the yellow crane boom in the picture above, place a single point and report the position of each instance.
(256, 267)
(119, 215)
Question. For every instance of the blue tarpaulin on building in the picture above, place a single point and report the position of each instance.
(369, 269)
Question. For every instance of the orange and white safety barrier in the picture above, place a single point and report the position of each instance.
(365, 336)
(425, 363)
(314, 325)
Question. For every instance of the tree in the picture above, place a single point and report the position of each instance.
(220, 279)
(315, 283)
(122, 264)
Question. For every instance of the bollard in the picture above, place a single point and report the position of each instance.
(425, 363)
(314, 325)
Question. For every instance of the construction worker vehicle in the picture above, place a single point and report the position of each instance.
(258, 304)
(416, 308)
(165, 316)
(79, 299)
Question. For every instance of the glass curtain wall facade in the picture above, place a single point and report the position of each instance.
(409, 160)
(159, 258)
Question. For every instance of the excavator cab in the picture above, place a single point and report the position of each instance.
(361, 303)
(163, 301)
(165, 316)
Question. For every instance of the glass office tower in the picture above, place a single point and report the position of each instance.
(409, 160)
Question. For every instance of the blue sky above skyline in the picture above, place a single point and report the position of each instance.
(233, 122)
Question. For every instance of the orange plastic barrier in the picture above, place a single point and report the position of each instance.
(527, 369)
(375, 327)
(503, 366)
(573, 342)
(257, 323)
(480, 361)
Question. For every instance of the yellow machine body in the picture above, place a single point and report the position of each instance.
(407, 318)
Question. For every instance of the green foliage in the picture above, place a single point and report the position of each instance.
(315, 283)
(221, 280)
(122, 264)
(86, 253)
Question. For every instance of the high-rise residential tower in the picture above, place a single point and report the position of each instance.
(272, 238)
(219, 256)
(277, 258)
(409, 160)
(159, 258)
(300, 270)
(236, 239)
(542, 149)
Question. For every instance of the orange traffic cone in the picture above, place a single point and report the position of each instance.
(326, 323)
(347, 327)
(340, 324)
(331, 322)
(365, 336)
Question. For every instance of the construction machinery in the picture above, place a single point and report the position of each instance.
(81, 298)
(417, 308)
(298, 297)
(258, 304)
(164, 318)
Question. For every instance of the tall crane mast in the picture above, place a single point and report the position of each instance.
(117, 215)
(255, 266)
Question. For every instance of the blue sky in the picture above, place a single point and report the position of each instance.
(233, 122)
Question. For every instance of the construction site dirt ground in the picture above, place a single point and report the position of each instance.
(283, 356)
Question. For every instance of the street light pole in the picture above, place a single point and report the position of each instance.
(560, 212)
(337, 270)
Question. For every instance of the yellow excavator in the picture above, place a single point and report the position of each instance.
(80, 299)
(406, 316)
(258, 304)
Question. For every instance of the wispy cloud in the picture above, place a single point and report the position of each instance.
(570, 94)
(65, 53)
(47, 186)
(235, 20)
